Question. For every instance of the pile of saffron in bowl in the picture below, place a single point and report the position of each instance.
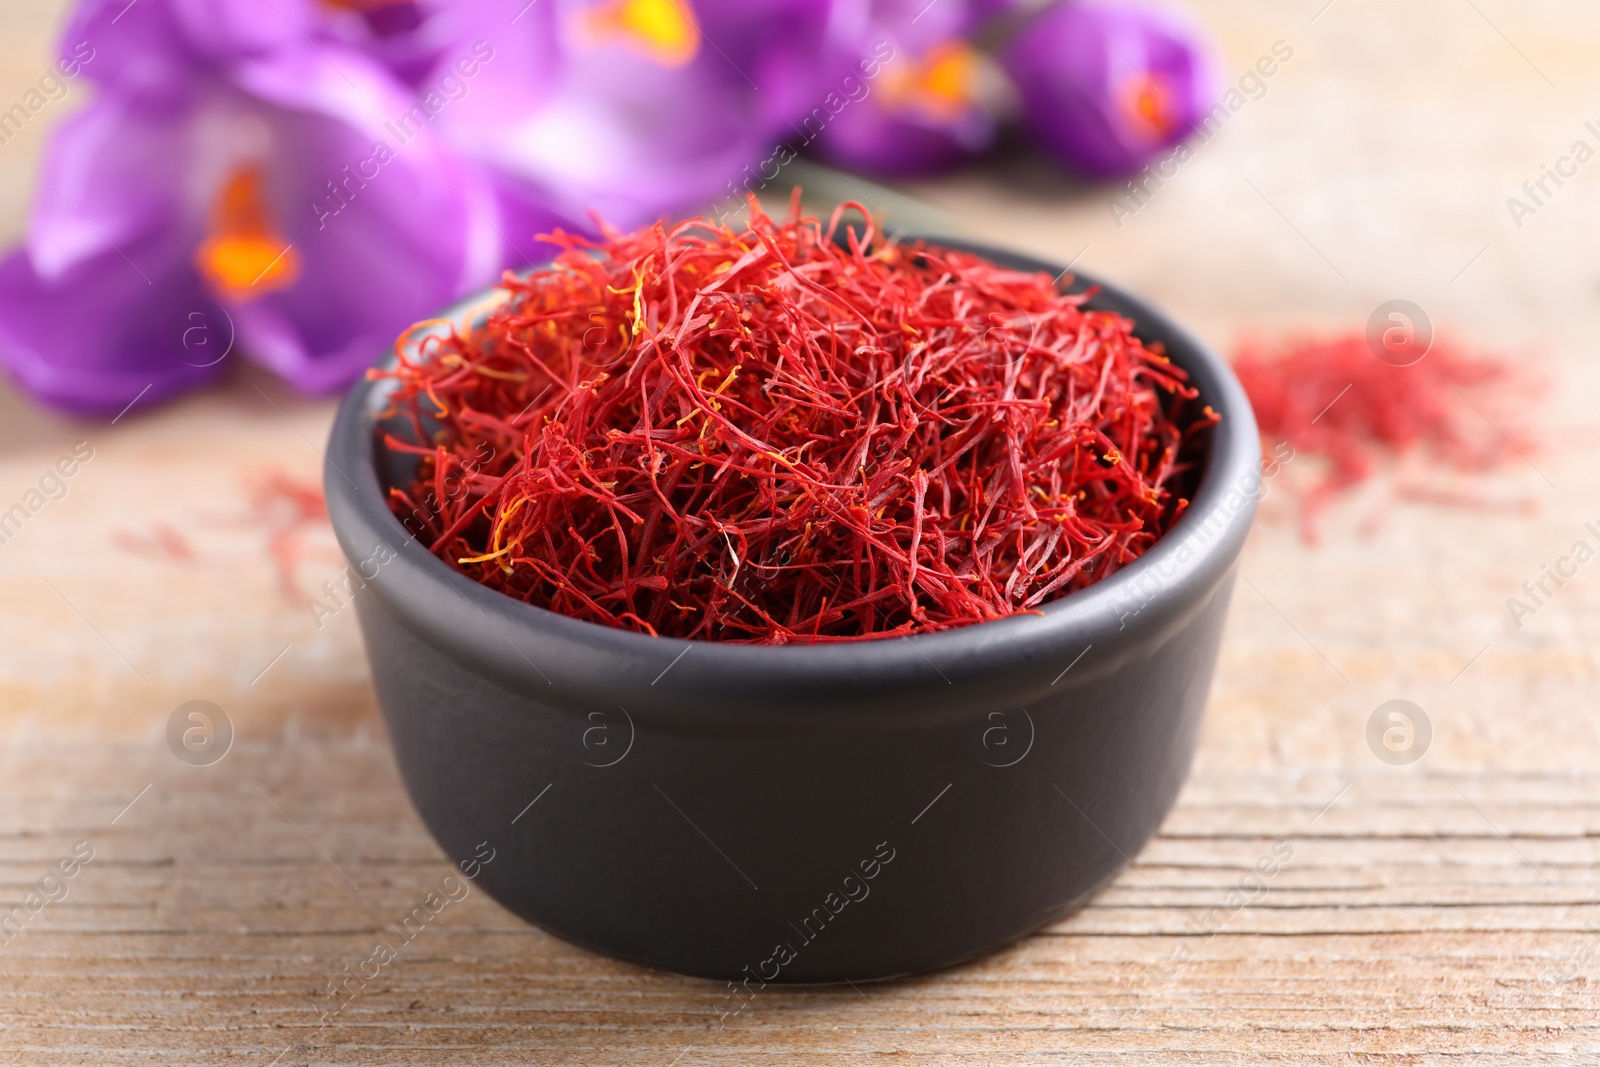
(786, 433)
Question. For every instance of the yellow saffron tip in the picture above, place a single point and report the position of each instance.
(487, 556)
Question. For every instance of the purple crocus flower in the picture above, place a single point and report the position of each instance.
(644, 107)
(408, 38)
(926, 107)
(1107, 86)
(239, 178)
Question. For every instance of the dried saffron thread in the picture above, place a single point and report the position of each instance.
(770, 435)
(1332, 398)
(288, 508)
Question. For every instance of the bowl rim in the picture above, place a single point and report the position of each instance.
(526, 647)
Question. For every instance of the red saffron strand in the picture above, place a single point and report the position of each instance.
(765, 435)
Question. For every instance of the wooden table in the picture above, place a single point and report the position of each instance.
(1442, 911)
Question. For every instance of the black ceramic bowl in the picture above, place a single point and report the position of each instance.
(801, 813)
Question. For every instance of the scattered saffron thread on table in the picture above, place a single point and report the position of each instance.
(160, 540)
(1332, 398)
(286, 509)
(789, 432)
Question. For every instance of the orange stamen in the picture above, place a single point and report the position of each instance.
(243, 257)
(664, 30)
(942, 83)
(1150, 103)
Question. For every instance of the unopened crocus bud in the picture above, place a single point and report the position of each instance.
(924, 99)
(1105, 87)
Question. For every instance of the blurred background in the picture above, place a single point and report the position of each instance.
(1367, 167)
(207, 243)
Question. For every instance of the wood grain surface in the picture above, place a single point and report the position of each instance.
(1445, 911)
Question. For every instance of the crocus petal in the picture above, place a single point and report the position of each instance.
(920, 99)
(151, 41)
(395, 251)
(107, 181)
(233, 29)
(408, 39)
(923, 110)
(200, 178)
(131, 45)
(114, 330)
(404, 38)
(981, 12)
(1108, 86)
(879, 140)
(796, 51)
(387, 228)
(636, 127)
(433, 204)
(525, 214)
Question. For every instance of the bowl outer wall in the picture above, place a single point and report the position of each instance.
(1008, 768)
(700, 686)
